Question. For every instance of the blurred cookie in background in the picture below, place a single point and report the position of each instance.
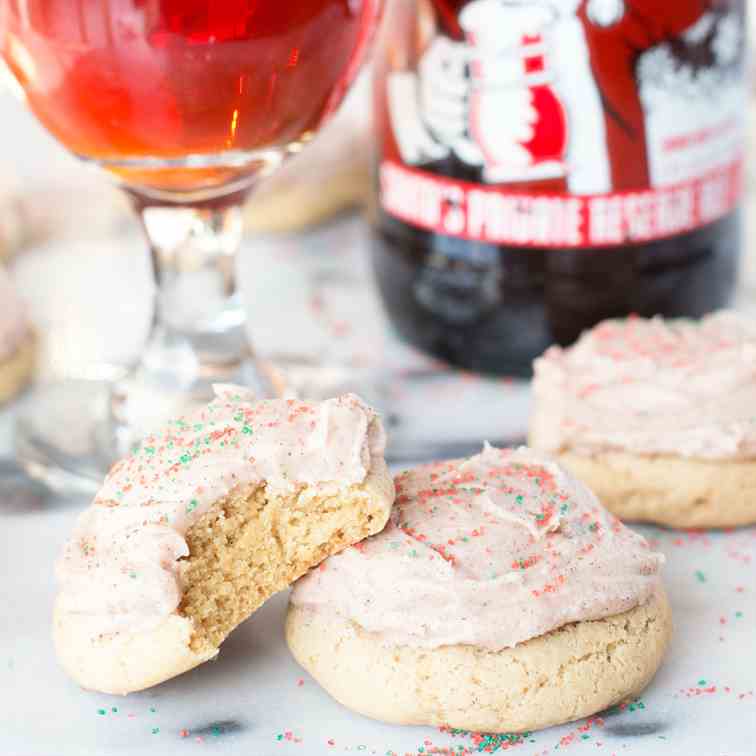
(61, 213)
(332, 175)
(12, 224)
(75, 206)
(17, 341)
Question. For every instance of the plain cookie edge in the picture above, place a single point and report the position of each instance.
(403, 708)
(675, 492)
(124, 663)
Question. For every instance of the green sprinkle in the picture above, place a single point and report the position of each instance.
(149, 449)
(702, 682)
(246, 429)
(102, 712)
(191, 506)
(700, 576)
(198, 426)
(153, 709)
(413, 553)
(115, 710)
(279, 736)
(185, 458)
(739, 615)
(133, 575)
(155, 730)
(216, 730)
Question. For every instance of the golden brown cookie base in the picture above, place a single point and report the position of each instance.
(569, 673)
(16, 371)
(673, 491)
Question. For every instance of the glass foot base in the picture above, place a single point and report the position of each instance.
(68, 436)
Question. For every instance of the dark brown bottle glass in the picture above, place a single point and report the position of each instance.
(521, 198)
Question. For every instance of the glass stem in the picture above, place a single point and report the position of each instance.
(198, 334)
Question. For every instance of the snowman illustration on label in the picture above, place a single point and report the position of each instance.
(510, 72)
(533, 90)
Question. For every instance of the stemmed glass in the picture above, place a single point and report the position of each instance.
(187, 104)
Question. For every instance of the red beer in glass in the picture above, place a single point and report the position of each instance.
(130, 83)
(188, 103)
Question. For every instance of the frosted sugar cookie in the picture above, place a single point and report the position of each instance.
(205, 521)
(657, 417)
(501, 597)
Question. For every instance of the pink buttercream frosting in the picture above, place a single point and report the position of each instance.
(121, 568)
(489, 551)
(14, 327)
(677, 387)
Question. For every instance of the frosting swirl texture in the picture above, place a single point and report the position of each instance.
(489, 551)
(120, 568)
(677, 387)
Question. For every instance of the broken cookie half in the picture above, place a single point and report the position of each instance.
(206, 520)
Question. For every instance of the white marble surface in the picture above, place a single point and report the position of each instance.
(247, 700)
(254, 700)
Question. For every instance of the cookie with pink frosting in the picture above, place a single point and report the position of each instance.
(17, 342)
(657, 416)
(500, 597)
(203, 522)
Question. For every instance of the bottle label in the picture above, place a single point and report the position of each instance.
(566, 123)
